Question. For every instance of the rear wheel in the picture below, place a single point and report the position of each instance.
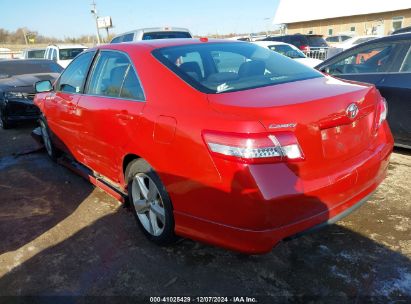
(150, 202)
(52, 151)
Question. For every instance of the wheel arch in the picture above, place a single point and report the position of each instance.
(127, 159)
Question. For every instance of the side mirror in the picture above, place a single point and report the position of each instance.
(43, 86)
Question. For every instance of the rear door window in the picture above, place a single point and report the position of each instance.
(113, 75)
(317, 41)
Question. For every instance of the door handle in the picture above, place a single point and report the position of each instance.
(124, 116)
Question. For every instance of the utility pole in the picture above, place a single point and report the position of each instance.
(94, 13)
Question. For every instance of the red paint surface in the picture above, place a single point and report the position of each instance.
(245, 207)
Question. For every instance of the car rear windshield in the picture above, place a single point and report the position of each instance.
(68, 54)
(316, 41)
(286, 50)
(165, 35)
(223, 67)
(20, 67)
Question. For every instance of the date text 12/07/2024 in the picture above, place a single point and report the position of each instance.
(203, 300)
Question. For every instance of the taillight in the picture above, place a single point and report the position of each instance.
(305, 48)
(382, 111)
(254, 148)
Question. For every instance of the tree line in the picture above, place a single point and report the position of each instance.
(26, 36)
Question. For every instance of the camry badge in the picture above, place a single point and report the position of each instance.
(281, 126)
(352, 110)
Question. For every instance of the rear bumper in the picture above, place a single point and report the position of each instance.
(258, 242)
(308, 212)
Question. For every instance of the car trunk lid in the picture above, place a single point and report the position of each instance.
(317, 111)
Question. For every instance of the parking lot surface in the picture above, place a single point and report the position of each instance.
(62, 236)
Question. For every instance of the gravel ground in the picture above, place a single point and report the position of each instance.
(62, 236)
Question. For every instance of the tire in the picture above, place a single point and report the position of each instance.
(150, 203)
(3, 121)
(51, 150)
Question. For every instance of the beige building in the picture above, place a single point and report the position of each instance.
(333, 17)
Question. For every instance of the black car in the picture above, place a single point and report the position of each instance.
(17, 79)
(313, 45)
(386, 63)
(402, 30)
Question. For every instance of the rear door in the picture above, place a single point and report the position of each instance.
(387, 66)
(110, 112)
(61, 108)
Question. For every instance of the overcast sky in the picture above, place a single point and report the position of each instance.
(61, 18)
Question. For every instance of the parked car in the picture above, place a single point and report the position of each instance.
(152, 33)
(63, 54)
(314, 46)
(290, 51)
(386, 63)
(402, 30)
(5, 53)
(223, 142)
(17, 78)
(349, 43)
(331, 40)
(37, 53)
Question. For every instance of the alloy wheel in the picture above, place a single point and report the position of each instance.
(148, 204)
(46, 138)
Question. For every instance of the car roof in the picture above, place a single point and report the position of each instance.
(68, 46)
(406, 29)
(161, 43)
(22, 61)
(403, 36)
(155, 29)
(34, 49)
(268, 43)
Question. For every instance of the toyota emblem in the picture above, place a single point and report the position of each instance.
(352, 111)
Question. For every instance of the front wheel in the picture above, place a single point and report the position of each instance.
(52, 151)
(150, 202)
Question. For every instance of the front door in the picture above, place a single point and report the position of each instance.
(61, 108)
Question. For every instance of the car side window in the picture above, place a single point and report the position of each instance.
(374, 58)
(113, 75)
(406, 64)
(73, 77)
(116, 40)
(128, 37)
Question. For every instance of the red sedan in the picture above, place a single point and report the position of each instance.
(222, 142)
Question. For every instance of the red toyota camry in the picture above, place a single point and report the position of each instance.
(222, 142)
